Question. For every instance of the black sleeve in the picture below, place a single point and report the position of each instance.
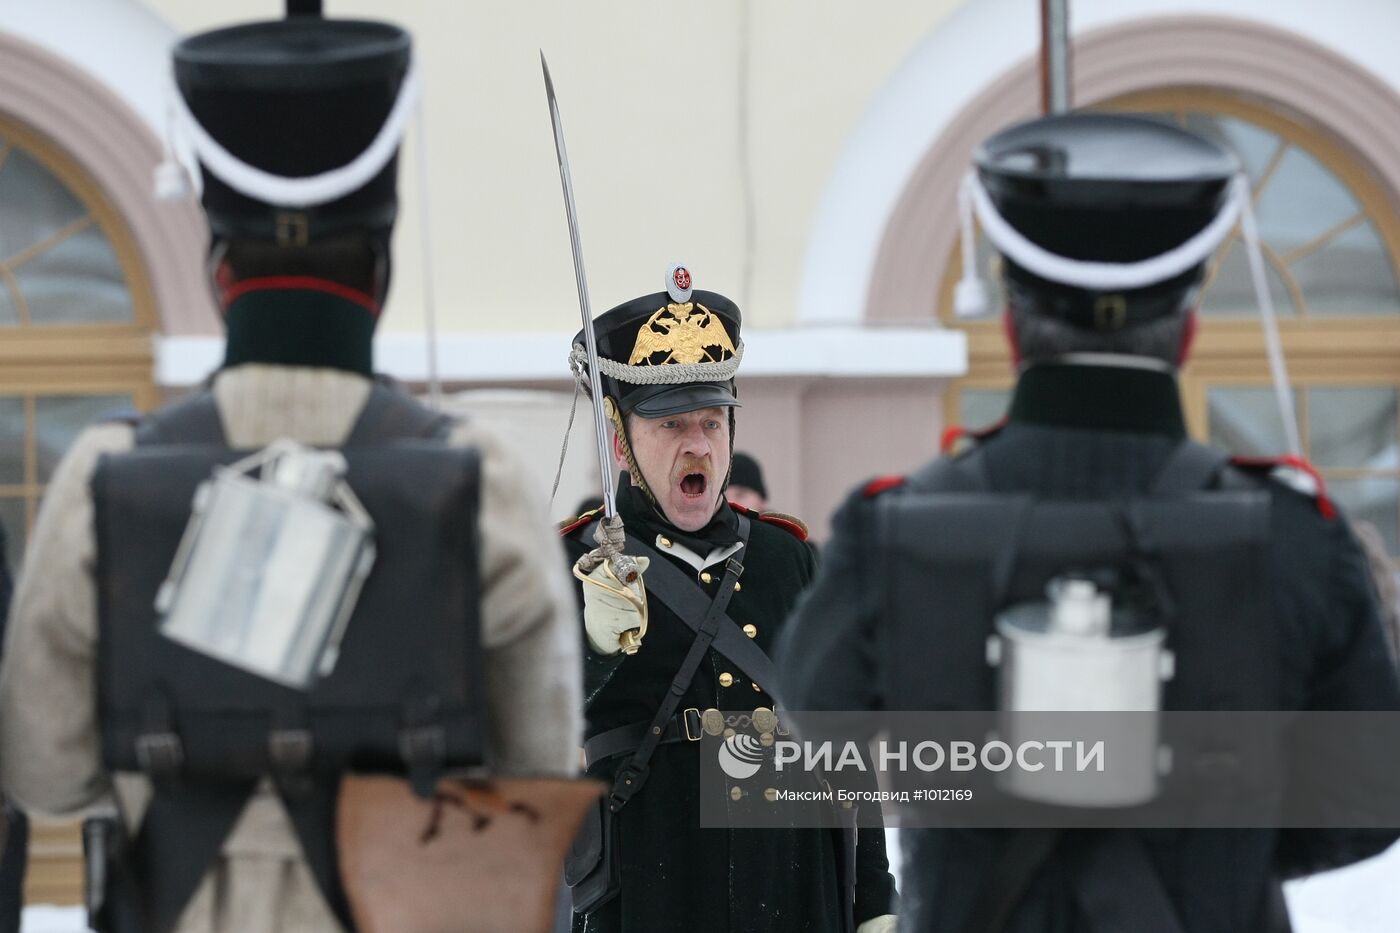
(825, 656)
(1354, 670)
(875, 895)
(598, 669)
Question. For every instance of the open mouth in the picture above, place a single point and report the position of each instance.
(693, 485)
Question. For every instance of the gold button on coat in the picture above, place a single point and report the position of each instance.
(726, 679)
(705, 578)
(738, 586)
(751, 630)
(665, 542)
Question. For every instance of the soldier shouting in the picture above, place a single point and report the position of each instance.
(668, 362)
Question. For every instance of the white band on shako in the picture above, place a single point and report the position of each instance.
(308, 191)
(172, 183)
(1093, 276)
(971, 298)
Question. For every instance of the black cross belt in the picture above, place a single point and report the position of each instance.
(682, 594)
(683, 727)
(633, 772)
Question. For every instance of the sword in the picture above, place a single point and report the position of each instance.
(610, 533)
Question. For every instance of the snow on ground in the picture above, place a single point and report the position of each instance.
(1363, 898)
(46, 919)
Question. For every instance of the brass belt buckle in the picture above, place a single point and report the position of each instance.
(692, 735)
(713, 721)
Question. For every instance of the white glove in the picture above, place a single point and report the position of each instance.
(885, 923)
(611, 607)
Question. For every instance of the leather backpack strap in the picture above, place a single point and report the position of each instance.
(193, 420)
(1001, 893)
(391, 414)
(181, 835)
(1120, 889)
(1191, 468)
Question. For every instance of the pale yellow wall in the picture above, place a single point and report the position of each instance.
(650, 99)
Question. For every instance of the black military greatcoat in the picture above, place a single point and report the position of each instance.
(677, 876)
(1094, 432)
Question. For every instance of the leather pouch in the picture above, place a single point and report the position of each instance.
(480, 857)
(592, 869)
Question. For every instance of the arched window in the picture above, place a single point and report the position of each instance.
(1331, 240)
(76, 315)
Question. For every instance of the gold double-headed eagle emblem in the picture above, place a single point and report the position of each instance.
(681, 333)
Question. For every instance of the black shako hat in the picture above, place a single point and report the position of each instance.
(1106, 188)
(669, 352)
(295, 98)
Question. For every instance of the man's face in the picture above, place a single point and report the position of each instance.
(684, 459)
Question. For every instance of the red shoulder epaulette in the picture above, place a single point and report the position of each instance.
(1266, 465)
(880, 483)
(789, 523)
(957, 432)
(951, 436)
(569, 525)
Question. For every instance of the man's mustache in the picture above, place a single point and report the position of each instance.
(689, 465)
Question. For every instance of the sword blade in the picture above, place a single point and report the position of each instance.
(595, 387)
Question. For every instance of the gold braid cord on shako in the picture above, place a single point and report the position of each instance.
(615, 416)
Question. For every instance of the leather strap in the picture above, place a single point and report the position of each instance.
(683, 727)
(684, 596)
(1191, 468)
(848, 838)
(181, 834)
(1001, 893)
(389, 414)
(633, 773)
(193, 420)
(1120, 889)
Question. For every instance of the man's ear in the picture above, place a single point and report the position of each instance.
(219, 273)
(619, 456)
(1188, 338)
(1008, 327)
